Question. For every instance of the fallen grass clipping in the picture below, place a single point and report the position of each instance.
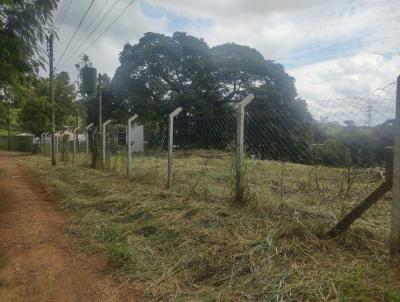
(188, 247)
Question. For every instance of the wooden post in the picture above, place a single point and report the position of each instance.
(171, 143)
(87, 142)
(394, 239)
(129, 143)
(75, 142)
(240, 146)
(360, 209)
(104, 142)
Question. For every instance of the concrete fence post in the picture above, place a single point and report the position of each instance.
(75, 138)
(104, 142)
(395, 215)
(45, 139)
(56, 141)
(240, 146)
(42, 143)
(87, 142)
(171, 143)
(129, 143)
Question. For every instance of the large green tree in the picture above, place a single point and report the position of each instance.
(67, 109)
(162, 72)
(111, 109)
(36, 110)
(278, 123)
(35, 115)
(23, 27)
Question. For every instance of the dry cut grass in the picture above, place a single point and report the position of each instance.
(193, 244)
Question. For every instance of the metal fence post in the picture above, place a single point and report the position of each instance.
(87, 142)
(171, 143)
(129, 143)
(240, 146)
(104, 142)
(395, 216)
(75, 138)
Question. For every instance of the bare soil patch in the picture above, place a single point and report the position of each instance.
(38, 261)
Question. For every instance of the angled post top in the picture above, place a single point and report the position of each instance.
(106, 123)
(89, 126)
(175, 112)
(246, 100)
(132, 118)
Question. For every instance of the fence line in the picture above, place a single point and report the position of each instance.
(261, 150)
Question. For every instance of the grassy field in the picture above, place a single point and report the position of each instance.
(193, 244)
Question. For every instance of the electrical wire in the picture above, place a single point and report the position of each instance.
(73, 36)
(60, 11)
(61, 21)
(87, 38)
(108, 27)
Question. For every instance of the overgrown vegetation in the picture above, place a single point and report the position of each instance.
(201, 248)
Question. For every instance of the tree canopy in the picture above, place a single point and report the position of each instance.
(36, 110)
(23, 25)
(161, 72)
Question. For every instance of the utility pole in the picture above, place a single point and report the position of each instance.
(51, 76)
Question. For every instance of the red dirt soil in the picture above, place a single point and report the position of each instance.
(37, 258)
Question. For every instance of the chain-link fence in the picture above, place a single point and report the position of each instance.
(328, 157)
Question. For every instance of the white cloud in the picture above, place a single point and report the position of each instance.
(350, 43)
(344, 88)
(279, 28)
(105, 52)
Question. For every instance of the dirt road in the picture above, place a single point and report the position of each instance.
(37, 262)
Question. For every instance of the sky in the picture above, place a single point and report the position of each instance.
(335, 49)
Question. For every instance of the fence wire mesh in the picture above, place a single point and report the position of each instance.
(203, 158)
(327, 158)
(329, 163)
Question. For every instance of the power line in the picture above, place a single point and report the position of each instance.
(112, 23)
(87, 38)
(64, 15)
(108, 27)
(73, 36)
(60, 11)
(98, 14)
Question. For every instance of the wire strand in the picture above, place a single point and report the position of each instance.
(73, 36)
